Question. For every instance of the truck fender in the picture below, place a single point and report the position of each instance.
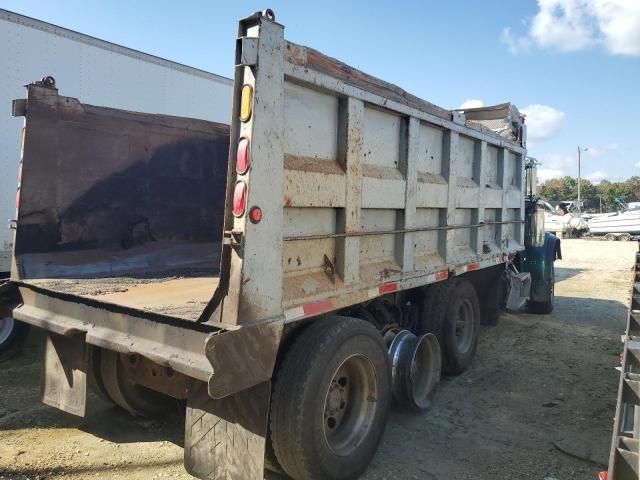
(553, 250)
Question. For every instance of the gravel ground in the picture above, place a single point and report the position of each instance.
(538, 402)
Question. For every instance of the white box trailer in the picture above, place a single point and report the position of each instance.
(99, 72)
(337, 247)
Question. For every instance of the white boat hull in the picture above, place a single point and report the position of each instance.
(626, 222)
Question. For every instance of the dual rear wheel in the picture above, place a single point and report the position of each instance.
(332, 391)
(111, 382)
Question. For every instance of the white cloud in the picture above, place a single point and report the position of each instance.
(597, 177)
(602, 150)
(557, 165)
(543, 122)
(545, 174)
(515, 43)
(571, 25)
(637, 164)
(471, 103)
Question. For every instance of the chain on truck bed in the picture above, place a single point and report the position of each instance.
(625, 445)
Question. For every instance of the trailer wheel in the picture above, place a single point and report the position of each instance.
(546, 305)
(13, 334)
(451, 310)
(331, 400)
(111, 380)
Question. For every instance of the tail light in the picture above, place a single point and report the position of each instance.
(255, 214)
(242, 156)
(246, 98)
(239, 198)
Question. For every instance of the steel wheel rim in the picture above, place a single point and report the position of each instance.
(464, 326)
(350, 405)
(6, 327)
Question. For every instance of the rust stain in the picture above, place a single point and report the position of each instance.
(352, 76)
(427, 177)
(375, 171)
(328, 166)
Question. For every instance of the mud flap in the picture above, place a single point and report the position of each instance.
(226, 438)
(64, 373)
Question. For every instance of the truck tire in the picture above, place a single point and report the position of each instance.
(461, 328)
(136, 399)
(331, 400)
(546, 305)
(452, 311)
(13, 334)
(433, 311)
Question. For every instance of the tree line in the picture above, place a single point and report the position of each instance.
(593, 196)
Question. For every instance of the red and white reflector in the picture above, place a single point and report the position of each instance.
(242, 156)
(239, 198)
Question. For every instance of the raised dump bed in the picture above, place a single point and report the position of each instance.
(120, 207)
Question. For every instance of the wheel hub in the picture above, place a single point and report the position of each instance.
(350, 405)
(464, 326)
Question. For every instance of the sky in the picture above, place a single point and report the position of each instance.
(572, 66)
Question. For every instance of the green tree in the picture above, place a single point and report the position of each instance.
(608, 191)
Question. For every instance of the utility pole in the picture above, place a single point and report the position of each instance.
(580, 150)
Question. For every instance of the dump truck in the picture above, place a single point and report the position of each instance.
(289, 277)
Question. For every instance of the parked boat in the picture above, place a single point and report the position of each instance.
(626, 220)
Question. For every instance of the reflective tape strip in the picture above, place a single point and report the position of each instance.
(314, 308)
(442, 275)
(308, 309)
(387, 288)
(294, 313)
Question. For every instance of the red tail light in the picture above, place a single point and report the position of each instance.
(239, 194)
(242, 156)
(18, 199)
(255, 214)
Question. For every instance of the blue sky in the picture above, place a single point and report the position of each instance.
(573, 65)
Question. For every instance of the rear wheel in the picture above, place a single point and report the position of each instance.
(331, 400)
(451, 310)
(112, 381)
(545, 305)
(13, 334)
(624, 237)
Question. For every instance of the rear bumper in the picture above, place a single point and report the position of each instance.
(182, 349)
(241, 358)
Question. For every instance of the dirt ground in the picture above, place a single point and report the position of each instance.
(538, 402)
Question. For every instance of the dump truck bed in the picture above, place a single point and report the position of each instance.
(122, 208)
(180, 291)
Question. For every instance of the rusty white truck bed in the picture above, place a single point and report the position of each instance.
(163, 280)
(178, 296)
